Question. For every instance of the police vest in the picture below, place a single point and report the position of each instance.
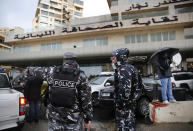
(63, 91)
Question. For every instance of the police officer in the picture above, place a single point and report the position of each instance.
(70, 97)
(126, 86)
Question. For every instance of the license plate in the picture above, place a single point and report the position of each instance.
(105, 94)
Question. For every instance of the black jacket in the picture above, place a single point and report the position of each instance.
(32, 88)
(163, 68)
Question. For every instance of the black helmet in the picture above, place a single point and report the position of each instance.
(70, 59)
(69, 56)
(121, 54)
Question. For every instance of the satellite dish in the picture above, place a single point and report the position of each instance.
(177, 59)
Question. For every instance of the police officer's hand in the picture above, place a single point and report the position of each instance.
(119, 110)
(87, 126)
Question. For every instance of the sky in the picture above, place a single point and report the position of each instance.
(21, 12)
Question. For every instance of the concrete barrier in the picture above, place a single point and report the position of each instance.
(174, 112)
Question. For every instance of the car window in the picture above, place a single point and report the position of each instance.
(111, 81)
(98, 80)
(184, 76)
(4, 83)
(150, 82)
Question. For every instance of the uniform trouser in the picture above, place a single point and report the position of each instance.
(125, 120)
(56, 126)
(60, 122)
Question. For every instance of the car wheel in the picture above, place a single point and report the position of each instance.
(95, 99)
(143, 106)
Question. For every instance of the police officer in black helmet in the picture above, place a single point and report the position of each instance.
(70, 97)
(127, 81)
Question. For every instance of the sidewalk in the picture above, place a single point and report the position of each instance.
(110, 126)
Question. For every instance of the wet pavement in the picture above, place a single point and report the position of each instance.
(110, 126)
(103, 121)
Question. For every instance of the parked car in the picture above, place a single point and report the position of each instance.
(183, 79)
(106, 97)
(12, 105)
(102, 81)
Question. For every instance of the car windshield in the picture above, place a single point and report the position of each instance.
(150, 82)
(98, 80)
(183, 76)
(4, 83)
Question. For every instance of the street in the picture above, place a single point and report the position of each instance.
(110, 126)
(103, 121)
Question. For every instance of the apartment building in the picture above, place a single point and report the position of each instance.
(55, 13)
(3, 33)
(143, 27)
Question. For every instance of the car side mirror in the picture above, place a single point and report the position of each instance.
(107, 84)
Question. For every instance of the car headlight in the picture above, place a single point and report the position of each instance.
(105, 94)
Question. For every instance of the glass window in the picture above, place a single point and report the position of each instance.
(51, 46)
(43, 24)
(89, 42)
(53, 3)
(111, 81)
(165, 36)
(156, 36)
(77, 13)
(189, 37)
(21, 49)
(152, 37)
(172, 35)
(137, 1)
(48, 1)
(79, 2)
(132, 38)
(114, 3)
(44, 6)
(44, 12)
(96, 42)
(51, 14)
(156, 13)
(4, 83)
(43, 18)
(137, 38)
(115, 18)
(57, 21)
(127, 39)
(186, 9)
(144, 37)
(98, 80)
(64, 6)
(101, 41)
(146, 14)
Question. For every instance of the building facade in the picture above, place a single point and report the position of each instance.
(3, 33)
(55, 13)
(142, 27)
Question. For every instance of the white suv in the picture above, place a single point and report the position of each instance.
(183, 79)
(102, 81)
